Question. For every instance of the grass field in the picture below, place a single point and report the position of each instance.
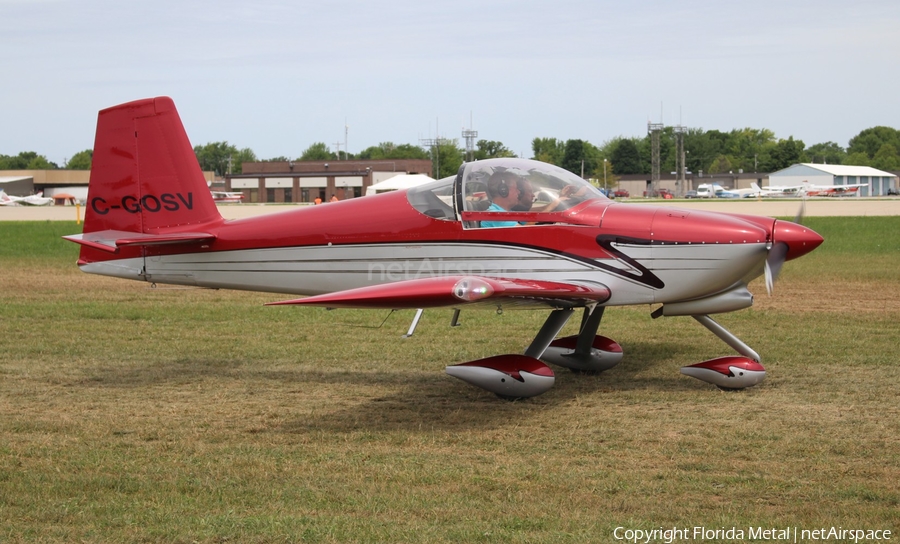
(130, 414)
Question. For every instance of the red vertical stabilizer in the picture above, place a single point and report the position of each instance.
(145, 177)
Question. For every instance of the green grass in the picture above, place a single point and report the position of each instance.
(129, 414)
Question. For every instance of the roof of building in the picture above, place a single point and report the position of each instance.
(838, 170)
(403, 181)
(13, 179)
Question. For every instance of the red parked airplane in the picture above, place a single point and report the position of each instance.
(502, 234)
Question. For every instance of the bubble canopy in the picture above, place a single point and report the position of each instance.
(503, 185)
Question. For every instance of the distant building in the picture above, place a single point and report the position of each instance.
(636, 184)
(878, 181)
(303, 181)
(71, 184)
(17, 185)
(49, 182)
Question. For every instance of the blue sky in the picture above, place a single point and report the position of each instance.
(277, 76)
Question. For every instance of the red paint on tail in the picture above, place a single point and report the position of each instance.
(145, 176)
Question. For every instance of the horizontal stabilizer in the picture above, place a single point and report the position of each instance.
(112, 240)
(461, 290)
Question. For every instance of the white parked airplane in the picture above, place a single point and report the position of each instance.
(714, 190)
(31, 200)
(808, 189)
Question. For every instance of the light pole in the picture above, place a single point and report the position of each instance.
(604, 177)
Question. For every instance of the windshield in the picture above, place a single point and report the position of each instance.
(521, 185)
(434, 199)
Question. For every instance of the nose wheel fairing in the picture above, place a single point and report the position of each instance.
(729, 373)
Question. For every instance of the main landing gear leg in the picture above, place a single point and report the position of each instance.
(587, 351)
(727, 373)
(555, 322)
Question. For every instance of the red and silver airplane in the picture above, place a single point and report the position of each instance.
(502, 234)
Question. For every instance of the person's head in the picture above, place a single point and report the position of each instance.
(526, 196)
(503, 189)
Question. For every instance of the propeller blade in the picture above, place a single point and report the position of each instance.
(801, 212)
(774, 261)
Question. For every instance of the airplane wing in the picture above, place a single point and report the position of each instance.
(36, 200)
(456, 291)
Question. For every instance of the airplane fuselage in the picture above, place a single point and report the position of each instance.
(645, 254)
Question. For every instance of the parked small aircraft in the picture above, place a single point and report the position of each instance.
(714, 190)
(226, 196)
(808, 189)
(30, 200)
(834, 190)
(502, 234)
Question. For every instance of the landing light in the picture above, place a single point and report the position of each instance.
(471, 289)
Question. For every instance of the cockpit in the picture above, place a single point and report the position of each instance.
(503, 192)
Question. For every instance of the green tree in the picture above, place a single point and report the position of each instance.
(825, 153)
(81, 160)
(581, 158)
(449, 158)
(244, 155)
(605, 176)
(870, 140)
(785, 153)
(318, 152)
(26, 160)
(626, 158)
(858, 158)
(375, 152)
(215, 156)
(489, 149)
(720, 165)
(748, 147)
(703, 148)
(407, 151)
(886, 158)
(389, 150)
(548, 150)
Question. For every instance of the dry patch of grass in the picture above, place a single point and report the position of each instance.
(132, 414)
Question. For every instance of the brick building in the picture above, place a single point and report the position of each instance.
(303, 181)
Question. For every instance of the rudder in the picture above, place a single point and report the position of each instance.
(144, 174)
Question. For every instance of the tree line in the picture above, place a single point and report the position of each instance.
(706, 151)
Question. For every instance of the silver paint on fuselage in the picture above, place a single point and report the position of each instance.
(688, 271)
